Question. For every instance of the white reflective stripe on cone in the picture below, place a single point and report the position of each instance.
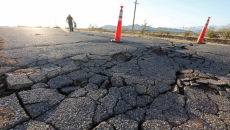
(121, 13)
(120, 19)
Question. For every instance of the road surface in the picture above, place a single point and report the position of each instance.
(69, 81)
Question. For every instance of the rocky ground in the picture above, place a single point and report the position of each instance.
(71, 81)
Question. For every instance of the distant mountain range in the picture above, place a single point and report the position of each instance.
(137, 27)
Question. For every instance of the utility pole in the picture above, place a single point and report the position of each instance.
(134, 14)
(55, 21)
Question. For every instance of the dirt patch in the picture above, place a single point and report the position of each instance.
(4, 61)
(2, 45)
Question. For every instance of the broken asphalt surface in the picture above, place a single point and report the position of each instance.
(73, 81)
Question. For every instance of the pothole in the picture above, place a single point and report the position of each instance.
(160, 53)
(121, 57)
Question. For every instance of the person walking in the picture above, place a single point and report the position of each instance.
(70, 21)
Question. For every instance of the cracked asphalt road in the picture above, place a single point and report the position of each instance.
(70, 81)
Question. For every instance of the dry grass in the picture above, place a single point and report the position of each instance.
(128, 34)
(149, 36)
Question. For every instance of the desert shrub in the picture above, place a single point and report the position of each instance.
(225, 32)
(56, 27)
(134, 31)
(211, 32)
(125, 29)
(187, 33)
(143, 27)
(167, 32)
(160, 32)
(92, 26)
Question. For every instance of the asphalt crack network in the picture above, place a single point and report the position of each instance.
(127, 76)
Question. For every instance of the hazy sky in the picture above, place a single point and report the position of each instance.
(158, 13)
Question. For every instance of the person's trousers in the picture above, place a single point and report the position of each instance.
(71, 27)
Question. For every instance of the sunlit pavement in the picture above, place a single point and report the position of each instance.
(71, 81)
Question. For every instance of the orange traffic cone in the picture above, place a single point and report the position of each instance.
(201, 38)
(119, 25)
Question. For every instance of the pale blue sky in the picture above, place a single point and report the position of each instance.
(158, 13)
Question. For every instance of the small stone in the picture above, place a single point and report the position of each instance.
(122, 106)
(224, 93)
(70, 67)
(42, 62)
(175, 89)
(185, 83)
(18, 81)
(216, 82)
(38, 77)
(78, 75)
(91, 86)
(55, 73)
(78, 93)
(33, 125)
(201, 81)
(194, 84)
(97, 94)
(98, 79)
(117, 81)
(82, 57)
(142, 88)
(122, 122)
(4, 70)
(137, 114)
(215, 87)
(129, 94)
(166, 101)
(228, 90)
(156, 125)
(104, 126)
(39, 85)
(154, 113)
(68, 90)
(11, 113)
(142, 101)
(176, 115)
(59, 82)
(154, 91)
(105, 84)
(186, 71)
(222, 102)
(203, 75)
(100, 114)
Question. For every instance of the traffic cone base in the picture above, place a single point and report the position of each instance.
(113, 40)
(201, 42)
